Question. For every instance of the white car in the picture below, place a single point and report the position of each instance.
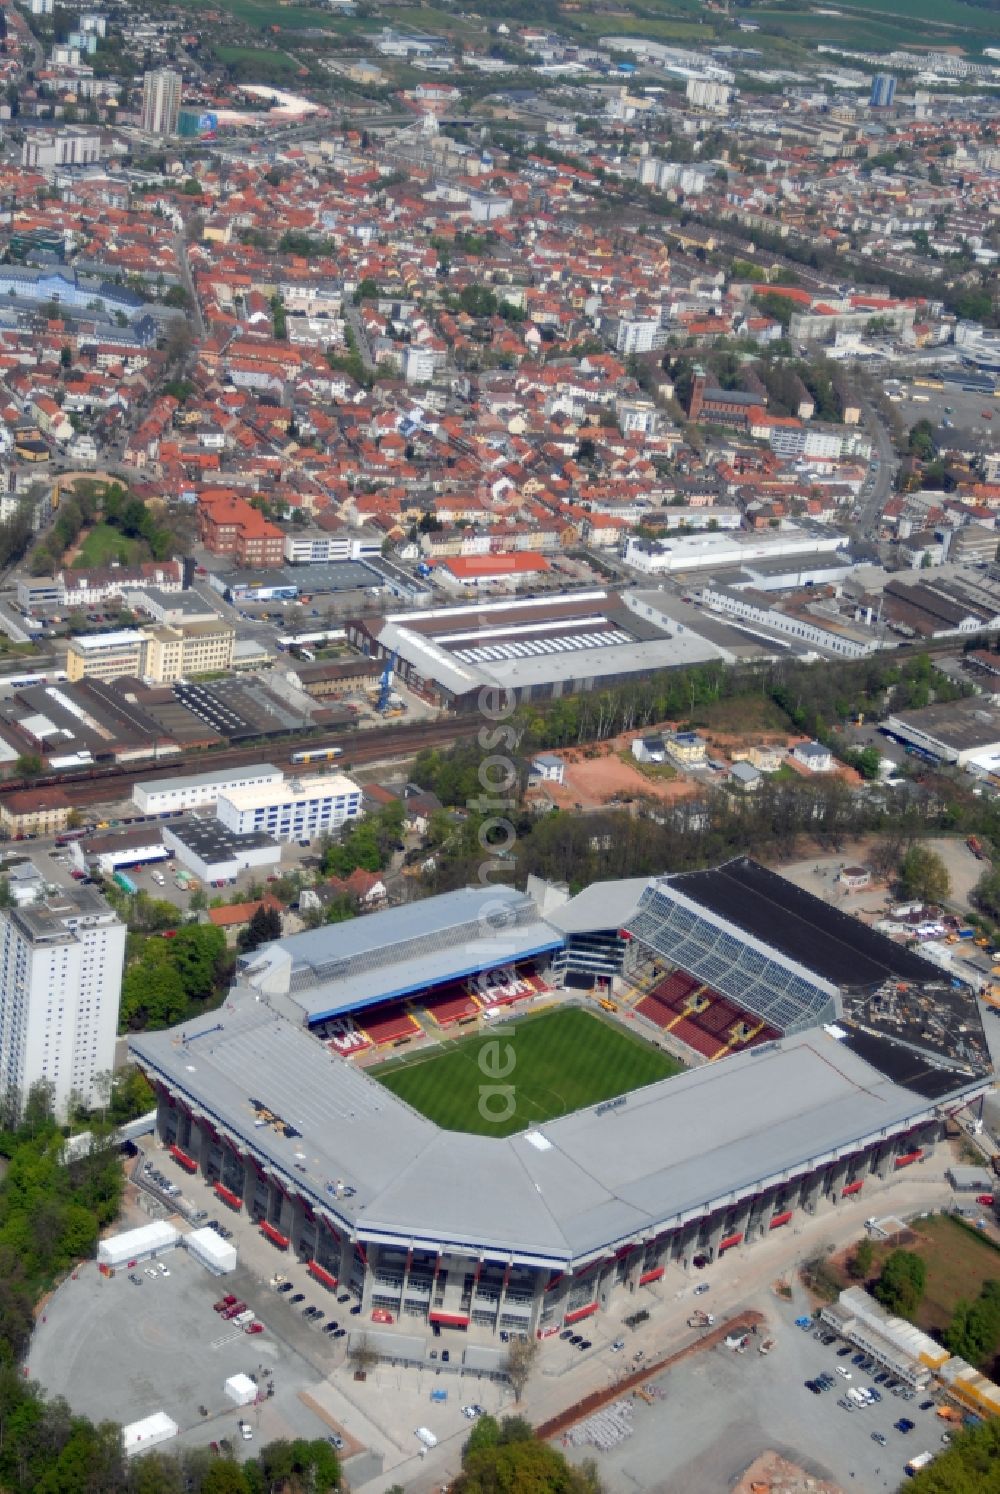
(844, 1374)
(150, 1271)
(473, 1412)
(246, 1431)
(164, 1271)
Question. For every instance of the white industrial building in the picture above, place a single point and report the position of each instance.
(215, 853)
(140, 1436)
(137, 1244)
(211, 1251)
(965, 733)
(241, 1390)
(298, 809)
(732, 551)
(771, 561)
(198, 790)
(60, 983)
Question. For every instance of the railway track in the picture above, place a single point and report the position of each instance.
(360, 748)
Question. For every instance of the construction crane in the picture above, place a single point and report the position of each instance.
(385, 684)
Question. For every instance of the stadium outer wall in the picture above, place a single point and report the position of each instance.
(499, 1290)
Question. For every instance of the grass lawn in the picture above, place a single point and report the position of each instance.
(257, 57)
(104, 545)
(564, 1060)
(656, 772)
(958, 1262)
(740, 717)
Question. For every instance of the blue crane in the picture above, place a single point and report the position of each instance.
(385, 684)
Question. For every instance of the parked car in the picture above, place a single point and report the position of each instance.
(135, 1277)
(246, 1431)
(299, 1297)
(699, 1291)
(254, 1327)
(880, 1438)
(286, 1286)
(845, 1373)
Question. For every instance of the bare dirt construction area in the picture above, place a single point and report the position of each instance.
(819, 874)
(594, 781)
(777, 1475)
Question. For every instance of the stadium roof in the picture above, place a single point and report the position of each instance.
(801, 926)
(600, 1177)
(602, 905)
(344, 966)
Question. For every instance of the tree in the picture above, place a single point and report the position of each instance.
(862, 1260)
(523, 1466)
(363, 1354)
(264, 925)
(900, 1286)
(974, 1331)
(521, 1356)
(921, 441)
(971, 1465)
(924, 876)
(27, 765)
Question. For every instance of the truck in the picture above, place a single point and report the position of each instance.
(975, 845)
(699, 1319)
(124, 881)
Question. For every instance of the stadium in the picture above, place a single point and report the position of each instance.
(822, 1058)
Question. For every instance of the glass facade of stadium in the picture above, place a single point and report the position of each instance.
(495, 1290)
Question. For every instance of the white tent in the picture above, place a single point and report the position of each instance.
(241, 1390)
(140, 1436)
(137, 1244)
(215, 1253)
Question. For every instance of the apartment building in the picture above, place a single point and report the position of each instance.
(231, 526)
(162, 654)
(48, 149)
(161, 101)
(298, 809)
(34, 812)
(60, 984)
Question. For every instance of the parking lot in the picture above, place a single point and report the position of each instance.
(160, 1347)
(719, 1410)
(953, 411)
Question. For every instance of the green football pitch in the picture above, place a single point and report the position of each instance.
(525, 1072)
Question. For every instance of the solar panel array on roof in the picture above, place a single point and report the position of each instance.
(535, 647)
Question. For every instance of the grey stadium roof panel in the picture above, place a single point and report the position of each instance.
(603, 1176)
(397, 952)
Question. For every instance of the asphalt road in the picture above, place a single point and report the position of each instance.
(879, 483)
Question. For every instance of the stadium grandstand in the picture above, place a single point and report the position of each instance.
(389, 977)
(823, 1059)
(736, 956)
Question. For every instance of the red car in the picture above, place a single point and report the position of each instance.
(254, 1328)
(986, 1199)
